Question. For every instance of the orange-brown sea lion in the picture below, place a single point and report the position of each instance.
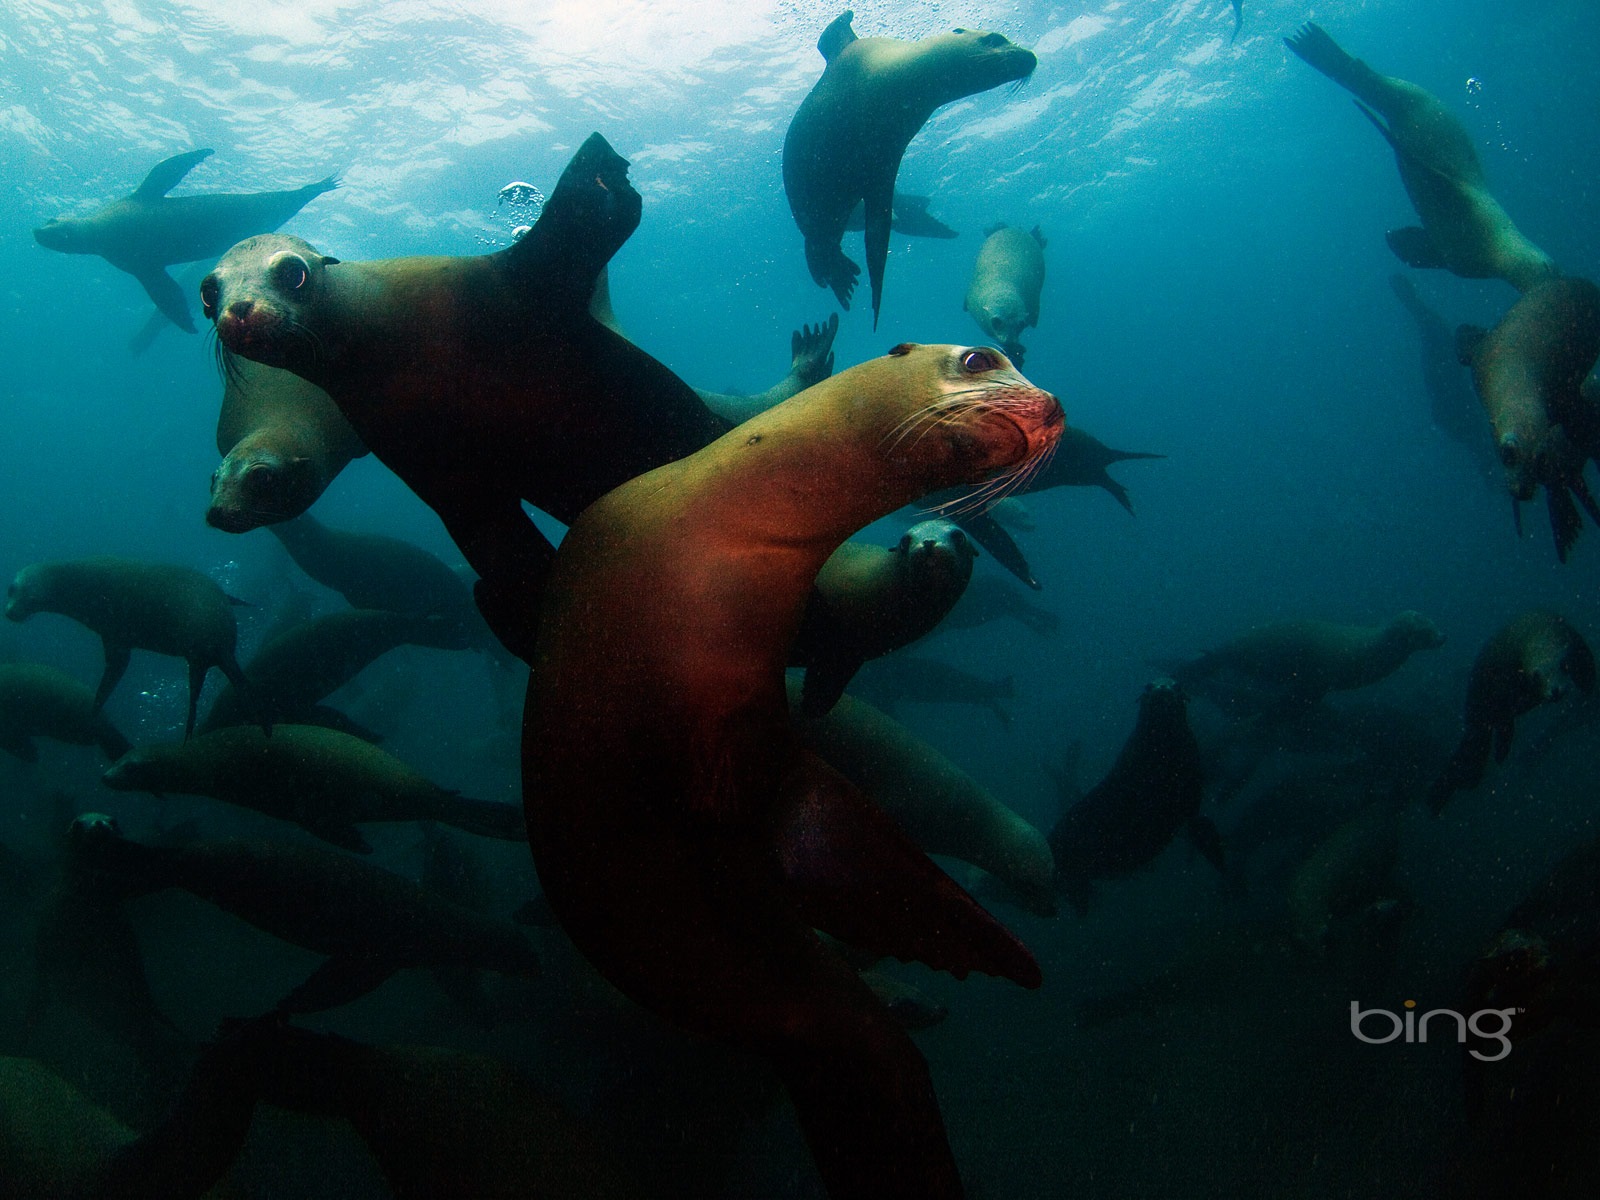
(1464, 230)
(137, 605)
(40, 701)
(1528, 662)
(686, 841)
(846, 140)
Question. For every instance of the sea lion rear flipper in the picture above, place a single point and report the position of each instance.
(1503, 733)
(486, 818)
(879, 210)
(1464, 770)
(836, 36)
(1202, 831)
(911, 217)
(166, 295)
(828, 673)
(329, 717)
(1565, 522)
(338, 981)
(1415, 247)
(857, 876)
(168, 174)
(1118, 492)
(116, 666)
(993, 537)
(831, 267)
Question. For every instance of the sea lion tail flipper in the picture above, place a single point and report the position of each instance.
(168, 173)
(116, 666)
(836, 36)
(166, 295)
(486, 818)
(857, 876)
(828, 673)
(1565, 521)
(340, 980)
(1202, 832)
(1414, 246)
(879, 202)
(993, 537)
(1118, 492)
(832, 268)
(329, 717)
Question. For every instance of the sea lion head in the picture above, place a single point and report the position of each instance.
(1415, 632)
(67, 235)
(1555, 657)
(259, 296)
(937, 549)
(965, 62)
(27, 593)
(1521, 465)
(1003, 317)
(256, 485)
(1515, 972)
(93, 827)
(1163, 699)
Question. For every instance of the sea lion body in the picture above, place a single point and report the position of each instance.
(145, 232)
(1528, 662)
(40, 701)
(685, 840)
(282, 442)
(137, 605)
(1347, 880)
(990, 597)
(900, 679)
(846, 140)
(369, 921)
(1464, 230)
(1151, 794)
(324, 780)
(1003, 296)
(870, 600)
(374, 571)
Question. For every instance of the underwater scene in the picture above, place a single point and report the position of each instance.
(708, 600)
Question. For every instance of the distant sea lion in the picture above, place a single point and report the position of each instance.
(137, 605)
(1451, 404)
(1003, 295)
(1081, 461)
(40, 701)
(282, 440)
(1152, 793)
(147, 230)
(898, 679)
(323, 780)
(993, 597)
(908, 215)
(1529, 371)
(686, 841)
(1346, 888)
(1527, 662)
(846, 140)
(1464, 230)
(870, 600)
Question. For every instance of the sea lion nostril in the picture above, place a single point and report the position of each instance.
(241, 308)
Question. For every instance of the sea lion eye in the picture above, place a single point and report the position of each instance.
(292, 273)
(977, 361)
(992, 40)
(209, 291)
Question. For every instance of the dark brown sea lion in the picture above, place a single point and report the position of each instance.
(846, 140)
(1528, 662)
(137, 605)
(685, 840)
(870, 600)
(1529, 371)
(40, 701)
(1003, 295)
(282, 441)
(368, 921)
(147, 231)
(481, 381)
(1464, 230)
(323, 780)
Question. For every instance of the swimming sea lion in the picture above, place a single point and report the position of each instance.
(1452, 406)
(846, 140)
(482, 381)
(282, 440)
(368, 921)
(1529, 371)
(897, 679)
(1152, 792)
(908, 215)
(1464, 230)
(137, 605)
(686, 841)
(147, 231)
(1346, 888)
(1003, 296)
(323, 780)
(870, 600)
(1527, 662)
(40, 701)
(993, 597)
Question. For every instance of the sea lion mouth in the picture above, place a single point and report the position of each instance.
(1007, 430)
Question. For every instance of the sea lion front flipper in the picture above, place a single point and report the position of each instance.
(856, 875)
(116, 667)
(828, 673)
(993, 537)
(336, 982)
(168, 174)
(878, 208)
(1202, 832)
(836, 36)
(166, 295)
(1415, 247)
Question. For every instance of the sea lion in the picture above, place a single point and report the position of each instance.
(1003, 295)
(1152, 792)
(1528, 662)
(40, 701)
(482, 381)
(686, 841)
(147, 230)
(1345, 889)
(1464, 230)
(1238, 20)
(137, 605)
(368, 921)
(282, 441)
(870, 600)
(941, 807)
(993, 597)
(908, 215)
(1293, 664)
(1451, 404)
(1529, 371)
(846, 140)
(296, 669)
(898, 679)
(324, 780)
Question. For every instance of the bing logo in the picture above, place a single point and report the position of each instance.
(1414, 1028)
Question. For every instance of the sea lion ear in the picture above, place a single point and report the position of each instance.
(329, 260)
(836, 36)
(902, 349)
